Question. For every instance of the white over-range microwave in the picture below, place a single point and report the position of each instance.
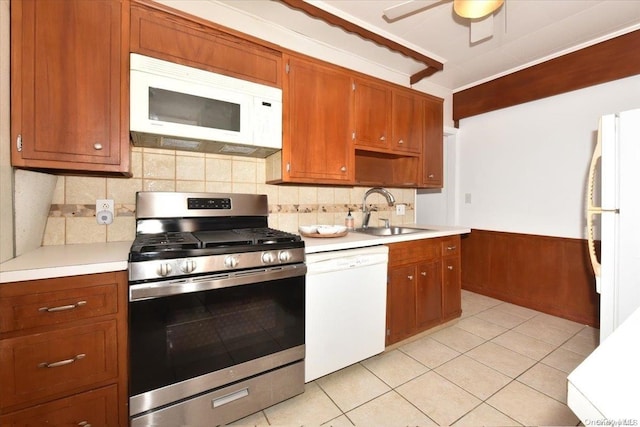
(184, 108)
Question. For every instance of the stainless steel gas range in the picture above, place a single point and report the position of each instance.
(216, 309)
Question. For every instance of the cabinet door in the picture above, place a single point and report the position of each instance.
(69, 85)
(317, 144)
(429, 294)
(372, 105)
(165, 36)
(407, 122)
(451, 293)
(96, 408)
(401, 303)
(433, 144)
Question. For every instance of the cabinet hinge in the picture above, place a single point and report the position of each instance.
(388, 332)
(19, 142)
(353, 136)
(288, 167)
(353, 86)
(287, 68)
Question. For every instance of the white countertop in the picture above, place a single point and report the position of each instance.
(66, 260)
(72, 260)
(360, 240)
(603, 390)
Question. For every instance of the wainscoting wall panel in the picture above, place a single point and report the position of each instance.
(549, 274)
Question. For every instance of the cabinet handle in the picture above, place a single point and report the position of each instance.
(97, 146)
(62, 362)
(400, 142)
(62, 307)
(343, 169)
(450, 267)
(431, 176)
(84, 424)
(423, 273)
(451, 248)
(383, 138)
(410, 277)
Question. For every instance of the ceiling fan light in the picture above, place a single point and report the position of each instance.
(476, 8)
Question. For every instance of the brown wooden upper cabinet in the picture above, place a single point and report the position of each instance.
(387, 118)
(372, 103)
(69, 85)
(201, 44)
(432, 164)
(316, 144)
(406, 122)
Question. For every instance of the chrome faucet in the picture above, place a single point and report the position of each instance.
(366, 213)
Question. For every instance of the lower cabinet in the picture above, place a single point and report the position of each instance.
(63, 351)
(96, 408)
(423, 287)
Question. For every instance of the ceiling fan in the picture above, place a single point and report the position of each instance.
(480, 13)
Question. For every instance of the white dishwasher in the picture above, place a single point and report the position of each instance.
(345, 303)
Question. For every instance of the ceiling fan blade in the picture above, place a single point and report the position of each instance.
(481, 29)
(398, 11)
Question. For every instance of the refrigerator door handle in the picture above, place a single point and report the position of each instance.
(591, 209)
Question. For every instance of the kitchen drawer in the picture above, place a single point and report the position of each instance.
(96, 408)
(451, 246)
(414, 251)
(19, 312)
(37, 366)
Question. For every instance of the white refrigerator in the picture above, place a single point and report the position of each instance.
(603, 389)
(617, 154)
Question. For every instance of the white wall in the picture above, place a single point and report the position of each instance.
(525, 167)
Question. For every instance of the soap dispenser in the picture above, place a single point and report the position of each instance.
(349, 221)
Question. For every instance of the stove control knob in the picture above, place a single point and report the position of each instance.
(284, 256)
(231, 262)
(164, 269)
(267, 258)
(187, 266)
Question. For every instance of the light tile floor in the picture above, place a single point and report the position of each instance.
(498, 365)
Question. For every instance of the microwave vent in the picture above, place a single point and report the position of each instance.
(141, 139)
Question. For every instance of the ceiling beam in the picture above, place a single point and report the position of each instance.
(603, 62)
(433, 66)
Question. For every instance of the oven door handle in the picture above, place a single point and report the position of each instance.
(165, 288)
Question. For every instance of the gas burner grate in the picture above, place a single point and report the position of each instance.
(170, 241)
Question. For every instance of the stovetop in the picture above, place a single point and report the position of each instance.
(168, 245)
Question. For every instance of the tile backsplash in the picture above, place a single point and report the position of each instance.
(72, 214)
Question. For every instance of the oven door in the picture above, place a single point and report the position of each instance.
(219, 330)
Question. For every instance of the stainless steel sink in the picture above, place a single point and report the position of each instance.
(390, 231)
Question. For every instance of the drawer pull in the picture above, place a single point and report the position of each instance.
(451, 248)
(62, 307)
(424, 273)
(62, 362)
(84, 424)
(410, 277)
(450, 267)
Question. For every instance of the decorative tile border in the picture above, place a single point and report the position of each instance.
(85, 211)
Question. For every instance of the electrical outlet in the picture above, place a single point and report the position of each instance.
(104, 211)
(400, 209)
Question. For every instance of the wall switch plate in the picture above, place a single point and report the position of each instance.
(104, 211)
(400, 209)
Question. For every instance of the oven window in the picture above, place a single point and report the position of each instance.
(182, 108)
(184, 336)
